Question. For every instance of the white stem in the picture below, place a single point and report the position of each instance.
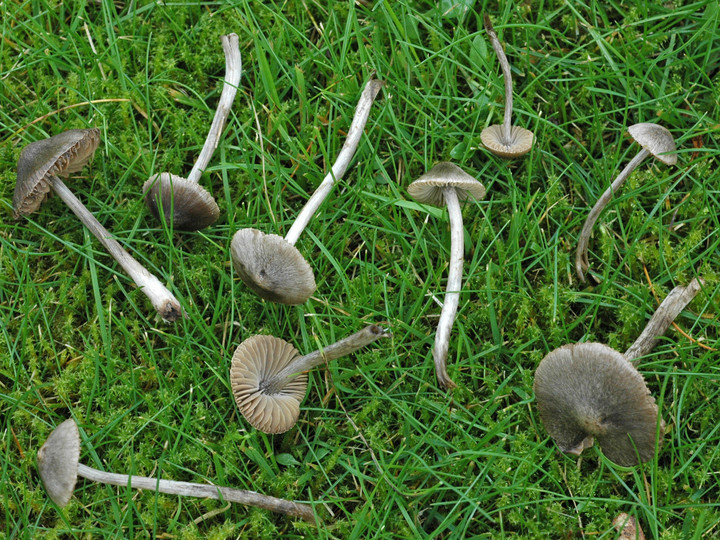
(233, 70)
(452, 294)
(507, 77)
(341, 163)
(190, 489)
(162, 299)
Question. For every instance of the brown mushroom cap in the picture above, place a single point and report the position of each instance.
(655, 139)
(428, 189)
(187, 204)
(589, 391)
(521, 141)
(256, 360)
(58, 462)
(272, 267)
(60, 155)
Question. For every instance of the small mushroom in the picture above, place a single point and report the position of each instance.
(588, 391)
(184, 201)
(448, 184)
(272, 266)
(505, 140)
(59, 467)
(656, 141)
(39, 166)
(268, 376)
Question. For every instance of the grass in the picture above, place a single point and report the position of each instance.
(379, 450)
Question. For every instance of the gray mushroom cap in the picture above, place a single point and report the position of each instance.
(58, 462)
(256, 360)
(655, 139)
(187, 204)
(60, 155)
(272, 267)
(429, 187)
(520, 143)
(588, 391)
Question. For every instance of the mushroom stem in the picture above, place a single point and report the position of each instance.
(162, 299)
(190, 489)
(345, 346)
(452, 292)
(581, 256)
(357, 126)
(661, 320)
(233, 70)
(507, 77)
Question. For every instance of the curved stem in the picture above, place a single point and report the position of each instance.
(233, 70)
(162, 299)
(581, 257)
(357, 126)
(505, 66)
(190, 489)
(345, 346)
(452, 292)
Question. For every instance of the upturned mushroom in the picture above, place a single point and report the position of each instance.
(183, 201)
(269, 378)
(272, 266)
(59, 466)
(505, 140)
(38, 170)
(656, 141)
(447, 184)
(588, 391)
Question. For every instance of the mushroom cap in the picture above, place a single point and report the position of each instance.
(256, 360)
(589, 391)
(429, 187)
(60, 155)
(190, 206)
(58, 462)
(655, 139)
(521, 141)
(272, 267)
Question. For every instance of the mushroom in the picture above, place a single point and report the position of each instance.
(588, 391)
(448, 184)
(655, 140)
(272, 266)
(268, 376)
(505, 140)
(183, 201)
(59, 467)
(38, 168)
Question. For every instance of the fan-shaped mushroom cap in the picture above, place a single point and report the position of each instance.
(521, 141)
(272, 267)
(588, 390)
(187, 204)
(655, 139)
(429, 187)
(58, 462)
(60, 155)
(256, 360)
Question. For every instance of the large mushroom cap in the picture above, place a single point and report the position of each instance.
(428, 189)
(58, 462)
(256, 360)
(60, 155)
(520, 143)
(272, 267)
(655, 139)
(589, 391)
(187, 204)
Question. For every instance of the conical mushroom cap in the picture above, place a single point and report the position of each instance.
(58, 462)
(588, 390)
(60, 155)
(256, 360)
(429, 187)
(520, 143)
(186, 203)
(272, 267)
(655, 139)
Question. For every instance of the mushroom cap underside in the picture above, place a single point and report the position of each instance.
(189, 205)
(588, 390)
(520, 143)
(655, 139)
(58, 460)
(429, 188)
(256, 360)
(59, 155)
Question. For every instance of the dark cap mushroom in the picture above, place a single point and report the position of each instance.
(39, 166)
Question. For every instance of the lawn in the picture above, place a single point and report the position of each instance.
(380, 451)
